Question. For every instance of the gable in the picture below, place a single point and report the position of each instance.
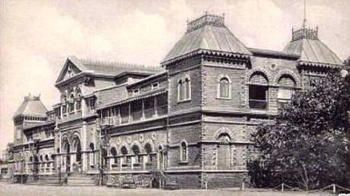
(69, 70)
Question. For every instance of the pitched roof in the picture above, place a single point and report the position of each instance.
(106, 68)
(116, 68)
(207, 33)
(305, 42)
(31, 106)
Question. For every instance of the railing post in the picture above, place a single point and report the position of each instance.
(282, 187)
(242, 185)
(334, 188)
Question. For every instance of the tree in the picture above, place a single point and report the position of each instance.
(308, 143)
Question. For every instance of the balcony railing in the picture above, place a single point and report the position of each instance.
(137, 115)
(258, 104)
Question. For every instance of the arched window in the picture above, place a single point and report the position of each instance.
(92, 154)
(180, 92)
(136, 151)
(114, 154)
(258, 91)
(286, 90)
(124, 151)
(78, 102)
(148, 149)
(224, 88)
(184, 89)
(286, 87)
(71, 103)
(184, 152)
(187, 89)
(223, 151)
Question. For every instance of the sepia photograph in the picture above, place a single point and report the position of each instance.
(175, 97)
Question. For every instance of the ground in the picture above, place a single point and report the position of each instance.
(34, 190)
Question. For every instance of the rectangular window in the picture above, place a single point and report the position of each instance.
(162, 104)
(124, 113)
(149, 107)
(258, 96)
(284, 93)
(136, 110)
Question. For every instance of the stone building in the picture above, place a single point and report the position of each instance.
(188, 120)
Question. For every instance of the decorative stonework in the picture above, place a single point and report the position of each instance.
(207, 19)
(250, 73)
(223, 130)
(141, 138)
(305, 33)
(287, 72)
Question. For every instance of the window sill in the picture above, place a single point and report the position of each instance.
(114, 165)
(183, 162)
(183, 101)
(224, 98)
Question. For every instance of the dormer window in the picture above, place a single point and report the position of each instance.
(155, 86)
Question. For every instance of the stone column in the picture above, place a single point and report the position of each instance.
(84, 147)
(72, 161)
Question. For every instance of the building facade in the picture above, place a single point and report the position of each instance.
(188, 120)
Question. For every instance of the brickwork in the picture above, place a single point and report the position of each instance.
(197, 131)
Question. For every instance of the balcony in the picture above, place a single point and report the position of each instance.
(258, 104)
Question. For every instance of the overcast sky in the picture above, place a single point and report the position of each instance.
(36, 36)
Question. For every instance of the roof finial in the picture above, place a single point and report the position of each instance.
(304, 21)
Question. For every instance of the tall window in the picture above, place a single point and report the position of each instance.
(71, 104)
(124, 151)
(136, 151)
(286, 89)
(64, 109)
(184, 152)
(180, 89)
(148, 149)
(114, 154)
(187, 89)
(78, 102)
(224, 88)
(258, 91)
(92, 157)
(184, 89)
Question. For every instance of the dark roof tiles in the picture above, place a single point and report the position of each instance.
(31, 106)
(207, 36)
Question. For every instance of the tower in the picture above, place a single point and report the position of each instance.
(31, 112)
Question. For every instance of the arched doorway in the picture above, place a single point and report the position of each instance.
(77, 156)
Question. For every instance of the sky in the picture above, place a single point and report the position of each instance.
(36, 36)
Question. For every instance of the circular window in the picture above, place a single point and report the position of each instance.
(129, 139)
(141, 138)
(153, 136)
(273, 66)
